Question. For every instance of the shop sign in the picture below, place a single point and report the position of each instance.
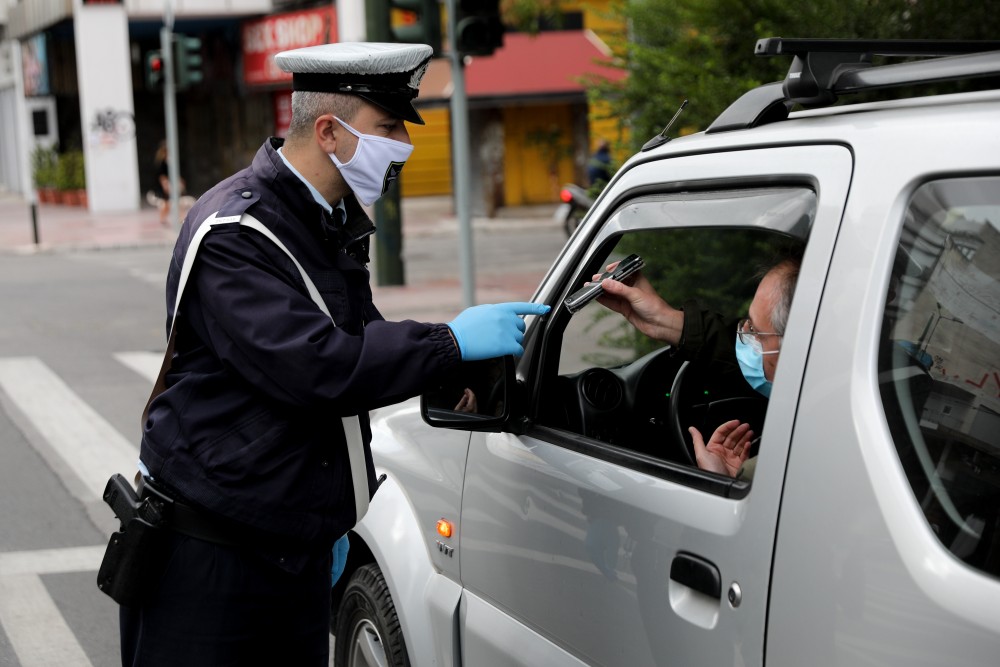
(265, 37)
(282, 112)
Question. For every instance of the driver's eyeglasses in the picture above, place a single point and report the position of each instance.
(747, 336)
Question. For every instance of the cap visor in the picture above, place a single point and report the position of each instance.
(397, 105)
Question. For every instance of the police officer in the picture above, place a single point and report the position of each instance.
(258, 429)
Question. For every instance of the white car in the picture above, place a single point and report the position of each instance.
(564, 521)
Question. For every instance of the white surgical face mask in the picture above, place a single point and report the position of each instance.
(376, 164)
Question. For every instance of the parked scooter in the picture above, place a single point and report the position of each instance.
(575, 204)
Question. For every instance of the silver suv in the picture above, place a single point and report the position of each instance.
(563, 521)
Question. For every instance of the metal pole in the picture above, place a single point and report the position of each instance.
(170, 111)
(461, 168)
(388, 214)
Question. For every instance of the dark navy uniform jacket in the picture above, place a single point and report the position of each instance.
(249, 426)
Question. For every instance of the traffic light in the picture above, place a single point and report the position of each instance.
(478, 28)
(187, 61)
(154, 70)
(406, 21)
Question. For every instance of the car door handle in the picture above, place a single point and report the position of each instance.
(697, 574)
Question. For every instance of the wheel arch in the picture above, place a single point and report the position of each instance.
(426, 601)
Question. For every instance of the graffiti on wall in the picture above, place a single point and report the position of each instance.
(111, 127)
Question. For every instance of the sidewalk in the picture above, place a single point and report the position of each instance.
(72, 228)
(427, 221)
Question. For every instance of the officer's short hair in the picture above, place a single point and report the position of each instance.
(307, 106)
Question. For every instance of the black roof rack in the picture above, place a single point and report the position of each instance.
(822, 69)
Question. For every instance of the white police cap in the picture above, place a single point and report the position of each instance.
(387, 75)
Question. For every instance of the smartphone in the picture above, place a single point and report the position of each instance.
(592, 290)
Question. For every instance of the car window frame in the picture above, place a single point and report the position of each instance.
(830, 179)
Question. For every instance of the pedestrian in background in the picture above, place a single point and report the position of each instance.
(258, 428)
(161, 185)
(599, 167)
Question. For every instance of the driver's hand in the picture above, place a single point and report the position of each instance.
(637, 301)
(726, 450)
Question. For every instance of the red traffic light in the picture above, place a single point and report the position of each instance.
(154, 70)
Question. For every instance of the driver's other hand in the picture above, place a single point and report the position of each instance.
(727, 449)
(468, 402)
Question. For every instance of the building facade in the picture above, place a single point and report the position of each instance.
(72, 79)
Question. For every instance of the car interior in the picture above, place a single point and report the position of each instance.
(606, 386)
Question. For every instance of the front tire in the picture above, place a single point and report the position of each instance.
(368, 631)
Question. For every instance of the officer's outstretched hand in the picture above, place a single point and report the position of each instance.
(340, 549)
(492, 330)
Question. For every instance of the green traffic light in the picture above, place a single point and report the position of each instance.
(187, 61)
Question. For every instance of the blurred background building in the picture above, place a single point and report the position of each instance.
(74, 81)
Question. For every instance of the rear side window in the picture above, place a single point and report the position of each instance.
(939, 362)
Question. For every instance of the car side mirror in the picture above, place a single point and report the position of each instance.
(475, 396)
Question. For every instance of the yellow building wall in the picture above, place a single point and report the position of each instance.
(599, 17)
(428, 171)
(605, 126)
(538, 140)
(538, 153)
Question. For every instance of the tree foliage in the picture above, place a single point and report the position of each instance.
(702, 50)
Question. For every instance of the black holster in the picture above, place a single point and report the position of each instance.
(136, 553)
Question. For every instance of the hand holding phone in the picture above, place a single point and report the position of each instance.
(592, 290)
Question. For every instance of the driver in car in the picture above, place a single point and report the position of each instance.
(699, 333)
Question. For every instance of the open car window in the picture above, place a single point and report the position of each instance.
(609, 384)
(938, 362)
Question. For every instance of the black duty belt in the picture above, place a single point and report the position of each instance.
(186, 519)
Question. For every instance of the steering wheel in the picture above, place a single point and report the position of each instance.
(695, 400)
(679, 404)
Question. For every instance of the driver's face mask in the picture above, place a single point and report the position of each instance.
(752, 364)
(376, 164)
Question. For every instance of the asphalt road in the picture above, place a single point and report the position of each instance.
(82, 335)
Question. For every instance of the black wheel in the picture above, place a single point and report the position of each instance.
(368, 632)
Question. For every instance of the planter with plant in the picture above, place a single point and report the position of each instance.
(70, 180)
(44, 164)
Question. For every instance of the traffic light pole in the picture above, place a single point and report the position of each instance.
(170, 111)
(387, 211)
(461, 167)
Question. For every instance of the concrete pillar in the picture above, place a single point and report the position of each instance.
(104, 75)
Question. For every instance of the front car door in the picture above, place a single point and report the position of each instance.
(592, 538)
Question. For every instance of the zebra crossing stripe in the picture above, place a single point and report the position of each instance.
(146, 364)
(51, 561)
(34, 627)
(84, 440)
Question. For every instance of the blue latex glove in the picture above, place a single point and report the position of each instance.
(340, 549)
(492, 330)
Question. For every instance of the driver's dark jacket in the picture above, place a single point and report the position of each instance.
(249, 426)
(711, 337)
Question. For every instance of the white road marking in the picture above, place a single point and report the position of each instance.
(51, 561)
(146, 364)
(84, 440)
(36, 630)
